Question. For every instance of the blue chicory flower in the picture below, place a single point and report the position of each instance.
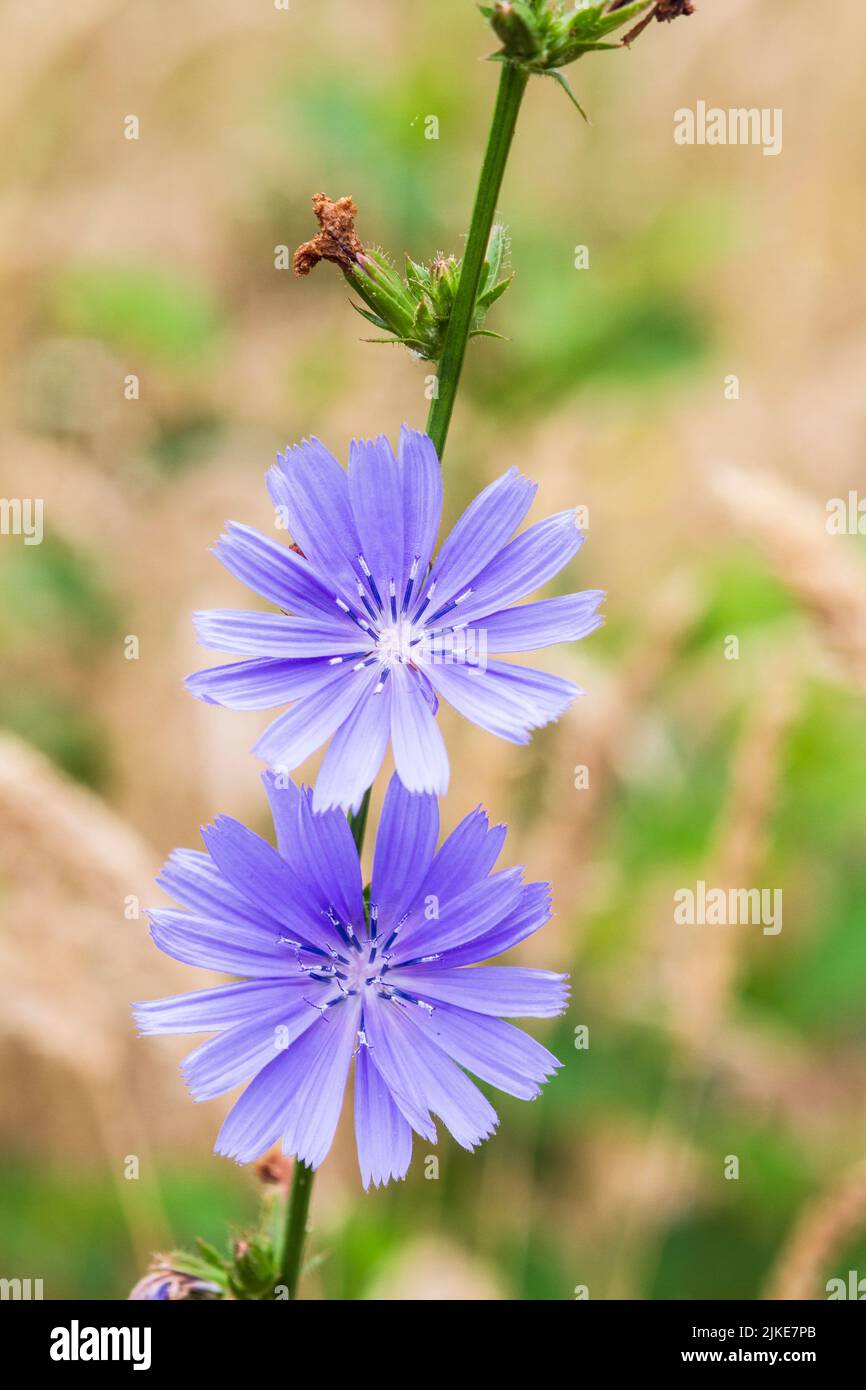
(371, 635)
(327, 980)
(164, 1283)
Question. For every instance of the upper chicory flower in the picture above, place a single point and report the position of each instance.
(374, 638)
(330, 976)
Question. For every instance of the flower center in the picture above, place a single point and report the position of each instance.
(360, 963)
(359, 969)
(394, 643)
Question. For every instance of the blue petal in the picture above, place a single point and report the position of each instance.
(293, 736)
(260, 684)
(275, 634)
(319, 850)
(507, 700)
(195, 880)
(405, 845)
(419, 749)
(479, 535)
(445, 1089)
(468, 854)
(531, 913)
(210, 1010)
(219, 946)
(505, 991)
(230, 1058)
(316, 1083)
(274, 571)
(528, 562)
(383, 1137)
(395, 1066)
(258, 872)
(541, 624)
(284, 797)
(461, 918)
(376, 497)
(326, 845)
(309, 482)
(356, 751)
(422, 502)
(297, 1095)
(256, 1119)
(493, 1050)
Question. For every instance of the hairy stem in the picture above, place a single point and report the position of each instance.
(512, 84)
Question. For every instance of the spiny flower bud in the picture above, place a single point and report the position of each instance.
(413, 310)
(254, 1273)
(514, 23)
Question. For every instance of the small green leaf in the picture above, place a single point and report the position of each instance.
(210, 1255)
(566, 87)
(495, 255)
(490, 296)
(412, 343)
(196, 1265)
(375, 319)
(417, 275)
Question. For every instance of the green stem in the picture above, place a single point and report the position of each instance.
(297, 1211)
(512, 84)
(298, 1204)
(358, 821)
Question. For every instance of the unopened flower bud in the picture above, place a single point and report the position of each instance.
(513, 22)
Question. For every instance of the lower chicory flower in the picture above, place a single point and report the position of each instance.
(331, 976)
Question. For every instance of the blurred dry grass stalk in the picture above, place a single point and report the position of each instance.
(703, 975)
(824, 1229)
(70, 964)
(820, 569)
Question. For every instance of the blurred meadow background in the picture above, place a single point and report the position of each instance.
(707, 519)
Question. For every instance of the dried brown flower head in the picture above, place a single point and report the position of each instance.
(337, 240)
(664, 11)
